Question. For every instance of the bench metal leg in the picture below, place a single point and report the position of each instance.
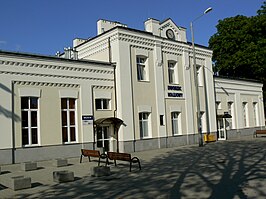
(134, 160)
(99, 161)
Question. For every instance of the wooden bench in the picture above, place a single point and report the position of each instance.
(92, 153)
(123, 157)
(260, 132)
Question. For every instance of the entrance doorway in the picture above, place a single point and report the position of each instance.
(103, 138)
(221, 129)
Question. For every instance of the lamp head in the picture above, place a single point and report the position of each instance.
(208, 10)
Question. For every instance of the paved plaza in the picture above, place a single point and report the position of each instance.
(225, 169)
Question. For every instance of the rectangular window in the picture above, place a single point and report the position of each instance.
(230, 112)
(200, 75)
(172, 72)
(142, 69)
(218, 105)
(255, 113)
(68, 116)
(29, 117)
(176, 123)
(245, 111)
(161, 120)
(144, 124)
(102, 104)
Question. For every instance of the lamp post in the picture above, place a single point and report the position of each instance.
(196, 78)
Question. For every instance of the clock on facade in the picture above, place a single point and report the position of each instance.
(170, 34)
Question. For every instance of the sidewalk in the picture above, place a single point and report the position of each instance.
(229, 169)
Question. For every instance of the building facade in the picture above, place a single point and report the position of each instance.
(48, 105)
(243, 101)
(124, 90)
(155, 87)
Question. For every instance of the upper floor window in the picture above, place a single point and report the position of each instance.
(29, 117)
(68, 113)
(218, 105)
(172, 72)
(142, 69)
(200, 75)
(102, 104)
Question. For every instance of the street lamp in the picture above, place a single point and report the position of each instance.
(196, 78)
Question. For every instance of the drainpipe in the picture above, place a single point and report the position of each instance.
(115, 108)
(133, 107)
(109, 50)
(206, 102)
(92, 95)
(13, 125)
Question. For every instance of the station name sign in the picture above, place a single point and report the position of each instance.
(174, 94)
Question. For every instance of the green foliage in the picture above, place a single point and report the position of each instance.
(239, 47)
(262, 10)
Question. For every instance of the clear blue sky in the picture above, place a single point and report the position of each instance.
(46, 26)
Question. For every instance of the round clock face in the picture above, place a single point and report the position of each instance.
(170, 34)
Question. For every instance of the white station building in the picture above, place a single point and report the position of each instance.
(124, 90)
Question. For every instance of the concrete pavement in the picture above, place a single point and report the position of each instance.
(227, 169)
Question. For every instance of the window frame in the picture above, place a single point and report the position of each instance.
(176, 122)
(172, 72)
(103, 102)
(245, 114)
(255, 114)
(144, 123)
(69, 124)
(29, 110)
(200, 77)
(142, 68)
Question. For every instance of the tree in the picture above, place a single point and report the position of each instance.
(239, 47)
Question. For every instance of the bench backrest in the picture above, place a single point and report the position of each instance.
(261, 131)
(92, 153)
(119, 156)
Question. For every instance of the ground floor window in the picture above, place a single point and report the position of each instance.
(68, 114)
(176, 124)
(29, 117)
(144, 124)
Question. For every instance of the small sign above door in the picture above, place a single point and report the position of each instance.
(87, 119)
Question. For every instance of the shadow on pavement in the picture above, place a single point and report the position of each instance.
(218, 170)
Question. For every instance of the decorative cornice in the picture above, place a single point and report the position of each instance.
(102, 87)
(133, 39)
(54, 67)
(50, 84)
(54, 76)
(97, 47)
(171, 48)
(198, 52)
(142, 47)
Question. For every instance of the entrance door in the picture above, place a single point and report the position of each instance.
(221, 129)
(103, 138)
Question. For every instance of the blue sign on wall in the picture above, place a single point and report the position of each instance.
(87, 119)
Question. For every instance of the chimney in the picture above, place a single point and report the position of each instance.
(105, 25)
(152, 26)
